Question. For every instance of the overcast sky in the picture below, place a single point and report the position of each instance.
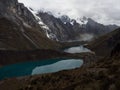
(103, 11)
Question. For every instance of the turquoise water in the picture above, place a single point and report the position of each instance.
(38, 67)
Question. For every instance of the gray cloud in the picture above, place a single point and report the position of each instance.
(103, 11)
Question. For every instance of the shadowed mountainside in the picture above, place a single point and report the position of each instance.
(104, 45)
(19, 30)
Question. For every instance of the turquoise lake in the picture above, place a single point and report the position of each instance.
(39, 67)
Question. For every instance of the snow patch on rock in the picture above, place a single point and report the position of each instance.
(47, 30)
(82, 21)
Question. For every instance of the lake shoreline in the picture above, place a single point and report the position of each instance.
(51, 55)
(38, 67)
(8, 57)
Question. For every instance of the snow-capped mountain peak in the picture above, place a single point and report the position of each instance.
(82, 21)
(65, 19)
(72, 22)
(64, 28)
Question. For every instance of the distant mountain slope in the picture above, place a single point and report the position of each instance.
(19, 28)
(65, 28)
(104, 45)
(57, 27)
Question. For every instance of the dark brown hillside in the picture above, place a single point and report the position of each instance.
(19, 29)
(11, 57)
(12, 37)
(104, 45)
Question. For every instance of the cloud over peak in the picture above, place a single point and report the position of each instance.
(103, 11)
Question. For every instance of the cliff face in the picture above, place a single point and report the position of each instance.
(19, 29)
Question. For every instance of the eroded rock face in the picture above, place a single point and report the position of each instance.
(19, 29)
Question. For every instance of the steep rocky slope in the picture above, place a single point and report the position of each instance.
(19, 29)
(57, 27)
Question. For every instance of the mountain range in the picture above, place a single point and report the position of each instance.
(24, 28)
(64, 28)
